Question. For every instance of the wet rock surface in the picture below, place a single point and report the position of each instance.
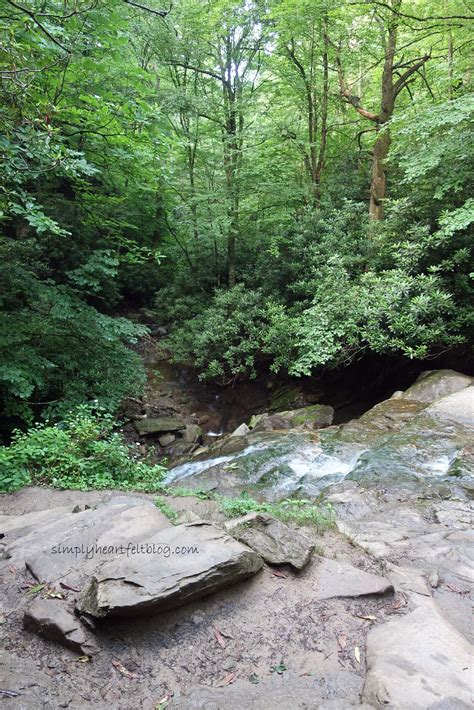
(401, 441)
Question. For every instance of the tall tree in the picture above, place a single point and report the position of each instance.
(396, 76)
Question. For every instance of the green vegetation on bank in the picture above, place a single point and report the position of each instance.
(300, 511)
(80, 452)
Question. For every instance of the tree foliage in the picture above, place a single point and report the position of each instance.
(216, 160)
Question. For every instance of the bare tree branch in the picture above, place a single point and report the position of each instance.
(159, 13)
(428, 18)
(402, 81)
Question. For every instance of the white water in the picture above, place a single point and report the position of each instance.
(306, 462)
(190, 469)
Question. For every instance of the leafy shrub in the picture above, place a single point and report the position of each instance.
(225, 340)
(81, 452)
(392, 311)
(56, 351)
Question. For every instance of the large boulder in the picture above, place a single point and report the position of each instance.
(457, 407)
(175, 566)
(418, 661)
(317, 416)
(433, 385)
(273, 540)
(51, 619)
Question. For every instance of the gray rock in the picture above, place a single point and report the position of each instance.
(241, 430)
(182, 563)
(457, 407)
(317, 416)
(158, 425)
(418, 661)
(271, 539)
(71, 546)
(340, 579)
(51, 619)
(192, 433)
(434, 384)
(166, 439)
(286, 692)
(271, 422)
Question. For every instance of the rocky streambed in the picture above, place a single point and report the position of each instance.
(106, 602)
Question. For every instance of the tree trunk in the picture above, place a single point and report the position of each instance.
(378, 184)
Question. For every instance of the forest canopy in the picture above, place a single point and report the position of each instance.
(285, 184)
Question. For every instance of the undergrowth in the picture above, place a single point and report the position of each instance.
(81, 452)
(301, 511)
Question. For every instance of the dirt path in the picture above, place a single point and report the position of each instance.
(269, 625)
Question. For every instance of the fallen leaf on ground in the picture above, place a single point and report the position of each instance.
(367, 617)
(342, 641)
(458, 591)
(68, 586)
(164, 702)
(225, 634)
(54, 595)
(278, 573)
(83, 659)
(124, 671)
(37, 588)
(227, 680)
(219, 638)
(357, 654)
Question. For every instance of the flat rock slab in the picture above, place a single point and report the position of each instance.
(418, 661)
(271, 539)
(185, 562)
(340, 579)
(158, 425)
(69, 546)
(285, 692)
(51, 619)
